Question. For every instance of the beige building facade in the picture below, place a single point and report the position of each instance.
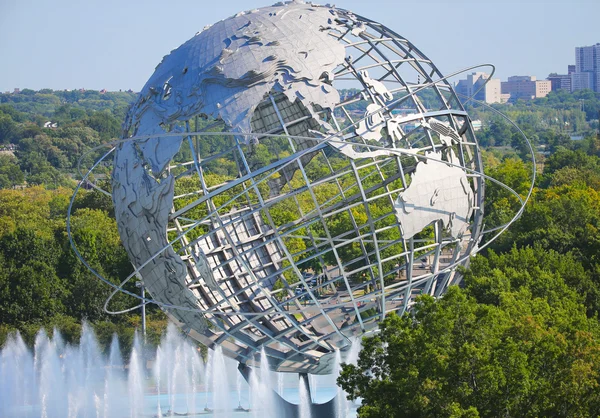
(526, 87)
(481, 87)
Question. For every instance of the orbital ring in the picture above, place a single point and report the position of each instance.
(119, 288)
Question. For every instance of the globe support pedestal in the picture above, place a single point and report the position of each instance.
(291, 410)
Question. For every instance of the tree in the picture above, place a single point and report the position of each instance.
(564, 157)
(97, 239)
(8, 129)
(501, 205)
(10, 173)
(564, 219)
(515, 342)
(498, 133)
(106, 124)
(29, 285)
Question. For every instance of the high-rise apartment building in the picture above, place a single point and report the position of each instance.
(560, 81)
(526, 87)
(571, 69)
(587, 68)
(582, 81)
(585, 58)
(481, 87)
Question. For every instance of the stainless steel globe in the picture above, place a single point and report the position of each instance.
(291, 175)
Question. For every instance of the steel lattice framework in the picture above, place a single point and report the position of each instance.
(381, 189)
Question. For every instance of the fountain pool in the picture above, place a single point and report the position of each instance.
(58, 380)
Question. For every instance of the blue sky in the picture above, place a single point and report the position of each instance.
(116, 44)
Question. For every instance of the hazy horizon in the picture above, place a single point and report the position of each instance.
(113, 45)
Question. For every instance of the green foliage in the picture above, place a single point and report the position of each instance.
(547, 120)
(278, 290)
(10, 172)
(8, 129)
(515, 342)
(39, 273)
(564, 218)
(568, 166)
(49, 156)
(61, 103)
(43, 284)
(107, 125)
(97, 239)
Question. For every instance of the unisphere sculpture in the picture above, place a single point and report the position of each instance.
(292, 174)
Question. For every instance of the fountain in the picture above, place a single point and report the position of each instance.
(59, 380)
(305, 398)
(220, 385)
(17, 377)
(135, 381)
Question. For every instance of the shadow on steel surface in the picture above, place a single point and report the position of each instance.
(292, 410)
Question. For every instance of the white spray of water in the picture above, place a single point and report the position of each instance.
(135, 382)
(222, 408)
(77, 381)
(98, 404)
(341, 406)
(157, 369)
(280, 384)
(207, 376)
(305, 400)
(238, 388)
(17, 376)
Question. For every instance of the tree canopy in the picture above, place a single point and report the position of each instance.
(515, 342)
